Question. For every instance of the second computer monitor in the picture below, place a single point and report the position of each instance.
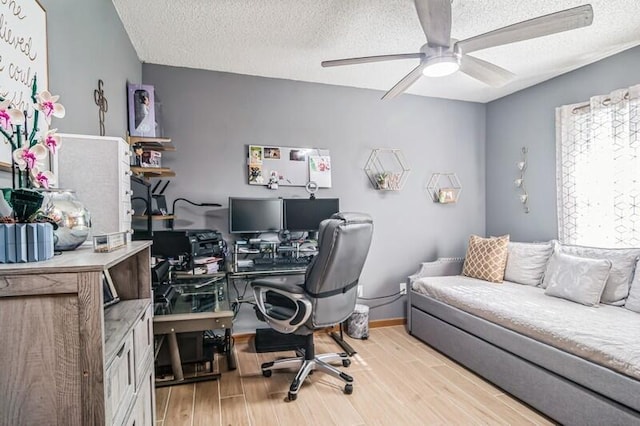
(302, 214)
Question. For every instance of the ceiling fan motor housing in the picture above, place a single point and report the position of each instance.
(440, 61)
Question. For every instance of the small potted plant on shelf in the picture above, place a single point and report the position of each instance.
(382, 179)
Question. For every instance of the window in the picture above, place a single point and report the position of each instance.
(598, 170)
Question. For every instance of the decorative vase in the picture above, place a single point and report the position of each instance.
(71, 216)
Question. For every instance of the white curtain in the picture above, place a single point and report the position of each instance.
(598, 170)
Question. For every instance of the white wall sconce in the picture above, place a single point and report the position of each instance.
(519, 181)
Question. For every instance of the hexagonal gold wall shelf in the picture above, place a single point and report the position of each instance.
(387, 169)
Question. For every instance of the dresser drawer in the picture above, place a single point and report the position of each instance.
(120, 383)
(143, 343)
(144, 410)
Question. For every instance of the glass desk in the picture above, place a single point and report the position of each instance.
(193, 304)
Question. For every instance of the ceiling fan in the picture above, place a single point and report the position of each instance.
(442, 55)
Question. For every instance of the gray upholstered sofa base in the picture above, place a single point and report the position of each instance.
(567, 388)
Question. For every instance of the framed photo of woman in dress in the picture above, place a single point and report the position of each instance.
(142, 120)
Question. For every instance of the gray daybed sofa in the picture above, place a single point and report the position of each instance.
(577, 364)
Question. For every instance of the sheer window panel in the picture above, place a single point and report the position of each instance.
(598, 170)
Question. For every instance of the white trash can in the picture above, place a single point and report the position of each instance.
(358, 323)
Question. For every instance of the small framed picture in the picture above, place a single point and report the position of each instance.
(273, 153)
(447, 195)
(109, 290)
(140, 102)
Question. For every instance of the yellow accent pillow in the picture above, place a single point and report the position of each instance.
(486, 258)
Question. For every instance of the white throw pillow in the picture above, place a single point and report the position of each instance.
(579, 279)
(633, 301)
(526, 262)
(623, 262)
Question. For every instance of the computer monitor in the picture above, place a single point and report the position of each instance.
(302, 214)
(254, 215)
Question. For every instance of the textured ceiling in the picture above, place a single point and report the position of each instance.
(289, 38)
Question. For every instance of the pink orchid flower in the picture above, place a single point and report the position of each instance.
(42, 179)
(10, 116)
(51, 141)
(28, 157)
(46, 104)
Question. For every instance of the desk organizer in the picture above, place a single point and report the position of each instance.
(25, 242)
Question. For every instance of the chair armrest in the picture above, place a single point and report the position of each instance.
(286, 286)
(294, 292)
(441, 267)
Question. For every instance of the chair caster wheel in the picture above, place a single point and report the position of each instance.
(346, 362)
(292, 396)
(267, 373)
(348, 389)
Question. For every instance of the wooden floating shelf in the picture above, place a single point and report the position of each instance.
(157, 144)
(155, 217)
(153, 171)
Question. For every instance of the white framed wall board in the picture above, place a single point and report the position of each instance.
(289, 166)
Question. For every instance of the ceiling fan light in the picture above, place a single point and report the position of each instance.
(441, 66)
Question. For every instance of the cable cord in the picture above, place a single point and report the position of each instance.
(381, 297)
(387, 303)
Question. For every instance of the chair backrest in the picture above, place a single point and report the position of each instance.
(332, 279)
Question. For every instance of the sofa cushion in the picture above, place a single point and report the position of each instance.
(526, 262)
(486, 258)
(633, 301)
(623, 262)
(579, 279)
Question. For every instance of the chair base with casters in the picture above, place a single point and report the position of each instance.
(306, 363)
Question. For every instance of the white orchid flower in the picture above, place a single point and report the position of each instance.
(51, 141)
(46, 104)
(42, 179)
(10, 116)
(28, 157)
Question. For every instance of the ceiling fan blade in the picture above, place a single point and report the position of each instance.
(405, 83)
(435, 18)
(485, 71)
(557, 22)
(367, 59)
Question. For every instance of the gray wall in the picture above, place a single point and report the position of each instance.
(527, 118)
(88, 42)
(212, 116)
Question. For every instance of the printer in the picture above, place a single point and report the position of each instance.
(187, 242)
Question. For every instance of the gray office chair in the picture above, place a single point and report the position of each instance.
(325, 298)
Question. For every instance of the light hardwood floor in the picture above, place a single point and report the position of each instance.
(398, 381)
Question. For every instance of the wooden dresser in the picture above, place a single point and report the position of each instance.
(66, 360)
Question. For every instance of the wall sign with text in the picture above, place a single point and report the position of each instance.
(23, 55)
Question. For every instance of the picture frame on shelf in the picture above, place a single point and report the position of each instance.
(446, 195)
(141, 110)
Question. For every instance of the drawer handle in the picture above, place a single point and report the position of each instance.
(127, 153)
(127, 192)
(128, 173)
(119, 354)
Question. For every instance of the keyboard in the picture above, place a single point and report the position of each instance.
(280, 261)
